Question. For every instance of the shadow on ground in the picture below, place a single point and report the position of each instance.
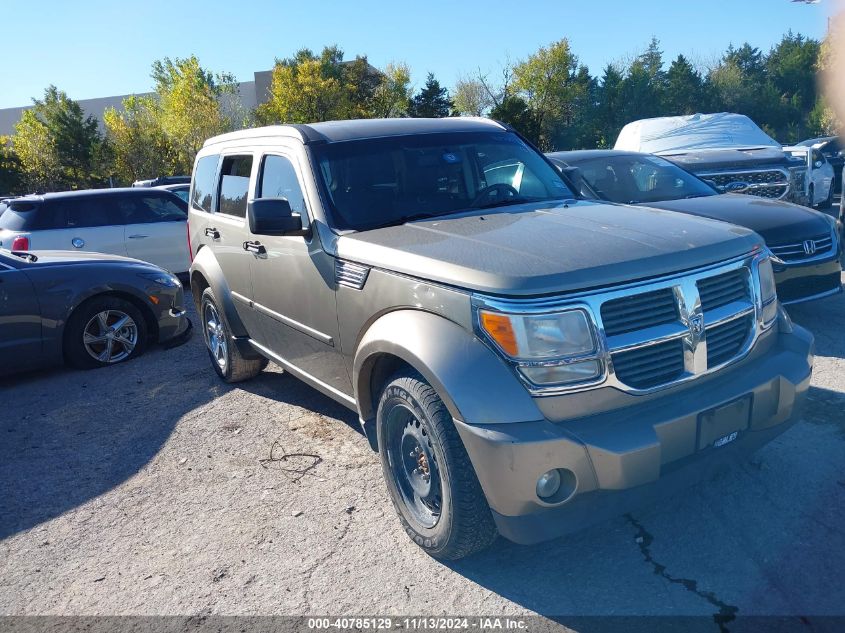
(94, 429)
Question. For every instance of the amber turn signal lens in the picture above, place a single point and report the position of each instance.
(499, 327)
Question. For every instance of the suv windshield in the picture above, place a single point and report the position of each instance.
(383, 181)
(633, 179)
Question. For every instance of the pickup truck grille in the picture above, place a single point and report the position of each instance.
(796, 251)
(767, 183)
(649, 334)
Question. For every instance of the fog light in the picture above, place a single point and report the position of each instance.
(548, 484)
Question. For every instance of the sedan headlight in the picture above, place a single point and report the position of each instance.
(163, 279)
(768, 291)
(549, 348)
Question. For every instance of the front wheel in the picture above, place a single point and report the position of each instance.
(429, 475)
(104, 331)
(827, 202)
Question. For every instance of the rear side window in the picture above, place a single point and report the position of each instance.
(278, 180)
(148, 209)
(20, 216)
(93, 211)
(234, 185)
(204, 175)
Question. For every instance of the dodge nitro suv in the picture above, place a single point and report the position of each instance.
(524, 361)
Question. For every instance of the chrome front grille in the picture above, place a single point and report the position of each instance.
(652, 335)
(805, 249)
(636, 312)
(768, 183)
(726, 340)
(650, 366)
(723, 289)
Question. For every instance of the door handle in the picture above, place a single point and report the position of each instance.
(255, 247)
(212, 233)
(137, 237)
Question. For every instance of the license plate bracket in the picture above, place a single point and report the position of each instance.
(721, 425)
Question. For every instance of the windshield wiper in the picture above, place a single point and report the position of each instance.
(502, 203)
(26, 255)
(414, 216)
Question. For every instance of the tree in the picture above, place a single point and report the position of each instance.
(431, 101)
(684, 93)
(11, 178)
(391, 95)
(546, 82)
(644, 87)
(194, 105)
(609, 110)
(514, 111)
(471, 97)
(791, 68)
(57, 145)
(139, 147)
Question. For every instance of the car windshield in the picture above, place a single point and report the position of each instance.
(633, 179)
(385, 181)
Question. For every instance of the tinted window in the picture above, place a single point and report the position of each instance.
(375, 182)
(204, 175)
(278, 180)
(20, 216)
(93, 211)
(234, 185)
(148, 209)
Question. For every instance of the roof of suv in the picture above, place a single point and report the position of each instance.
(355, 129)
(85, 193)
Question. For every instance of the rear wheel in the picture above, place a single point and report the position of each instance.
(225, 357)
(811, 195)
(827, 202)
(429, 475)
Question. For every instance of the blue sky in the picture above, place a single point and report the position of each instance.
(101, 48)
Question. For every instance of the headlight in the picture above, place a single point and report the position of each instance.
(768, 291)
(163, 279)
(549, 347)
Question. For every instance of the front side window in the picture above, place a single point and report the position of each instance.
(234, 185)
(638, 179)
(278, 180)
(148, 209)
(203, 183)
(382, 181)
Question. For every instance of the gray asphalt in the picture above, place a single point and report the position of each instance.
(153, 488)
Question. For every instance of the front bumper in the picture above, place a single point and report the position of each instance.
(798, 283)
(623, 457)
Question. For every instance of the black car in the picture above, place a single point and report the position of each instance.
(87, 309)
(805, 243)
(831, 149)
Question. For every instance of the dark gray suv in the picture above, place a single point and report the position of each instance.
(525, 362)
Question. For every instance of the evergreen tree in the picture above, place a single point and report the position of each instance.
(432, 101)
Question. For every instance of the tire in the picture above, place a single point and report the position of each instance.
(225, 358)
(447, 514)
(827, 202)
(104, 331)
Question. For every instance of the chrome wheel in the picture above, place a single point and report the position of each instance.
(215, 336)
(110, 336)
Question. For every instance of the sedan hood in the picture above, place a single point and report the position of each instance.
(65, 258)
(778, 222)
(542, 249)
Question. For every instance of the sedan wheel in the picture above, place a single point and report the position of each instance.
(110, 336)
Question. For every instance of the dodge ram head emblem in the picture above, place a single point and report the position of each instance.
(735, 186)
(809, 247)
(696, 325)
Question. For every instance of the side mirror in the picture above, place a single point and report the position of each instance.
(273, 216)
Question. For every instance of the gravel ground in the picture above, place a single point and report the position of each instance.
(153, 488)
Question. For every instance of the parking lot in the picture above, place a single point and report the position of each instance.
(153, 488)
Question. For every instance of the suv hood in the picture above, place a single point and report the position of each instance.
(536, 249)
(706, 159)
(777, 221)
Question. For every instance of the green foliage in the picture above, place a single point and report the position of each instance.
(139, 146)
(307, 88)
(57, 146)
(11, 176)
(431, 101)
(471, 98)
